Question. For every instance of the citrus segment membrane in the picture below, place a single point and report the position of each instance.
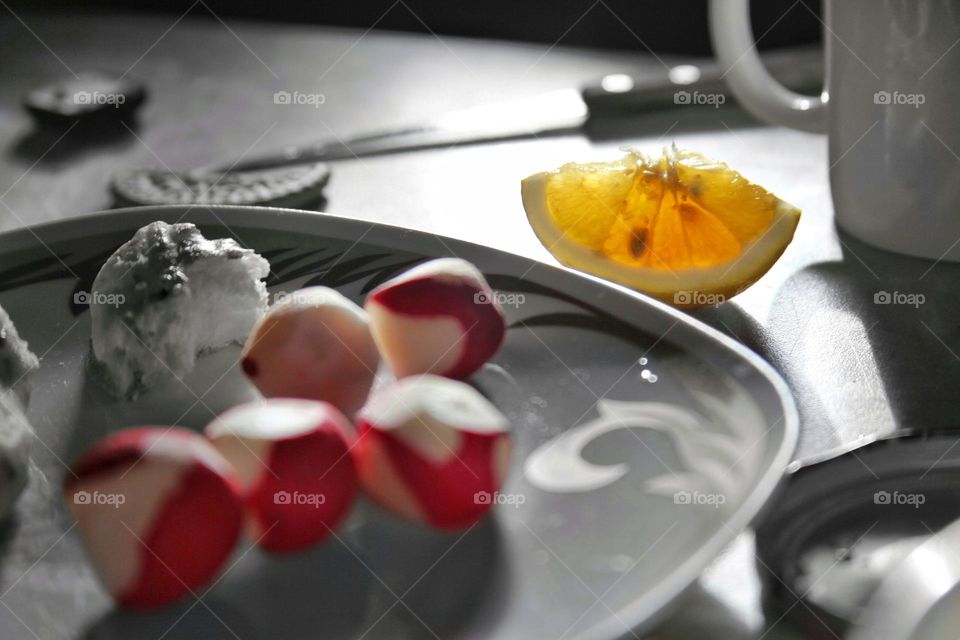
(659, 225)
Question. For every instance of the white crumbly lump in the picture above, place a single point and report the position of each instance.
(16, 359)
(167, 295)
(17, 363)
(16, 436)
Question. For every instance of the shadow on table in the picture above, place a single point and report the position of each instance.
(213, 386)
(702, 615)
(55, 145)
(868, 345)
(347, 586)
(669, 122)
(9, 526)
(210, 620)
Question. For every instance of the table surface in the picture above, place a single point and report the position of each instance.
(858, 369)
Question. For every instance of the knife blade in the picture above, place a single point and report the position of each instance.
(297, 175)
(564, 111)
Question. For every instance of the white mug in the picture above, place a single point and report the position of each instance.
(891, 109)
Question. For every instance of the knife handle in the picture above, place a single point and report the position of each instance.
(703, 84)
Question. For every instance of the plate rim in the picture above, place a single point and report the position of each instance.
(665, 596)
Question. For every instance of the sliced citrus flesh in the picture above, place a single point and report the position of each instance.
(681, 227)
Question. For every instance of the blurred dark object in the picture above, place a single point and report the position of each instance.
(668, 27)
(918, 599)
(841, 526)
(90, 97)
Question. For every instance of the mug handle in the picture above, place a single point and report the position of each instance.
(758, 91)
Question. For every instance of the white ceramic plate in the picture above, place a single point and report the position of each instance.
(644, 442)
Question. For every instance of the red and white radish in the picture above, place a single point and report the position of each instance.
(432, 450)
(293, 459)
(440, 317)
(314, 343)
(159, 511)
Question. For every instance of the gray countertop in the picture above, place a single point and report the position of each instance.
(858, 369)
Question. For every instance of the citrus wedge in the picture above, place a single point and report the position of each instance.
(682, 228)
